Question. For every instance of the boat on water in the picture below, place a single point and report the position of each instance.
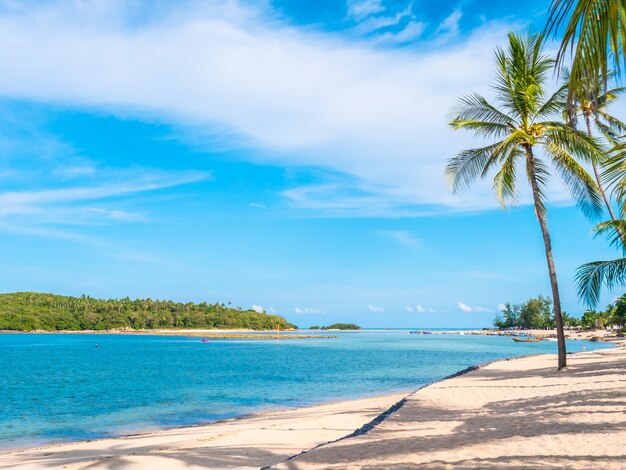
(204, 340)
(525, 340)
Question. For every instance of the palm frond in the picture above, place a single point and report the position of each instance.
(580, 184)
(474, 107)
(614, 166)
(591, 276)
(504, 181)
(594, 33)
(463, 169)
(615, 232)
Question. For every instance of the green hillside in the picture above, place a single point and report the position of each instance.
(27, 311)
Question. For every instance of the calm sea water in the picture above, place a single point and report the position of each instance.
(56, 388)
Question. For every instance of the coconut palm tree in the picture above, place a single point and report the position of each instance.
(593, 109)
(594, 31)
(527, 128)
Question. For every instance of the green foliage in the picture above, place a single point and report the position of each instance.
(618, 312)
(537, 314)
(27, 311)
(594, 32)
(342, 326)
(524, 116)
(533, 314)
(315, 327)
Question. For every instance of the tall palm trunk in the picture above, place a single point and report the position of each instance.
(541, 216)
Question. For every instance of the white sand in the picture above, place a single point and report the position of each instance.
(249, 442)
(518, 413)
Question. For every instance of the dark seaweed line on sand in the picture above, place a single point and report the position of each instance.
(367, 427)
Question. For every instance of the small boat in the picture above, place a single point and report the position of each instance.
(526, 340)
(550, 339)
(204, 340)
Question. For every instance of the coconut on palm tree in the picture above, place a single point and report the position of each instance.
(527, 131)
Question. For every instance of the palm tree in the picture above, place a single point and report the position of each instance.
(594, 31)
(593, 109)
(523, 121)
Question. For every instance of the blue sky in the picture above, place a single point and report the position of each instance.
(284, 155)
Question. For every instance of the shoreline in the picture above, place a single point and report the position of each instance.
(518, 413)
(573, 334)
(364, 415)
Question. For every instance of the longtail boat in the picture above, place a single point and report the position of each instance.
(526, 340)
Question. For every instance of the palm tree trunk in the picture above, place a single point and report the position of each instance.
(541, 216)
(599, 181)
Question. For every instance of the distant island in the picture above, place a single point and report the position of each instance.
(28, 311)
(337, 326)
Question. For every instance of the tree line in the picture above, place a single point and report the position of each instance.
(537, 313)
(28, 311)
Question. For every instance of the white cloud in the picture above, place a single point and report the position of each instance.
(360, 9)
(501, 307)
(467, 308)
(304, 98)
(257, 308)
(402, 237)
(309, 310)
(420, 309)
(375, 309)
(257, 205)
(410, 309)
(449, 27)
(68, 205)
(374, 23)
(412, 31)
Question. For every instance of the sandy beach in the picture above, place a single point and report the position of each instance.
(519, 413)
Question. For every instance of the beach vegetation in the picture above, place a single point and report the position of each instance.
(527, 132)
(28, 311)
(342, 326)
(535, 314)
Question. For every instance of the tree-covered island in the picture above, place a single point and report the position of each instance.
(28, 311)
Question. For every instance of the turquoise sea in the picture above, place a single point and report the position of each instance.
(57, 388)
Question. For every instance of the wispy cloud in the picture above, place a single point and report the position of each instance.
(372, 23)
(410, 32)
(449, 27)
(467, 308)
(403, 237)
(65, 204)
(375, 309)
(360, 9)
(419, 309)
(257, 308)
(302, 310)
(287, 93)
